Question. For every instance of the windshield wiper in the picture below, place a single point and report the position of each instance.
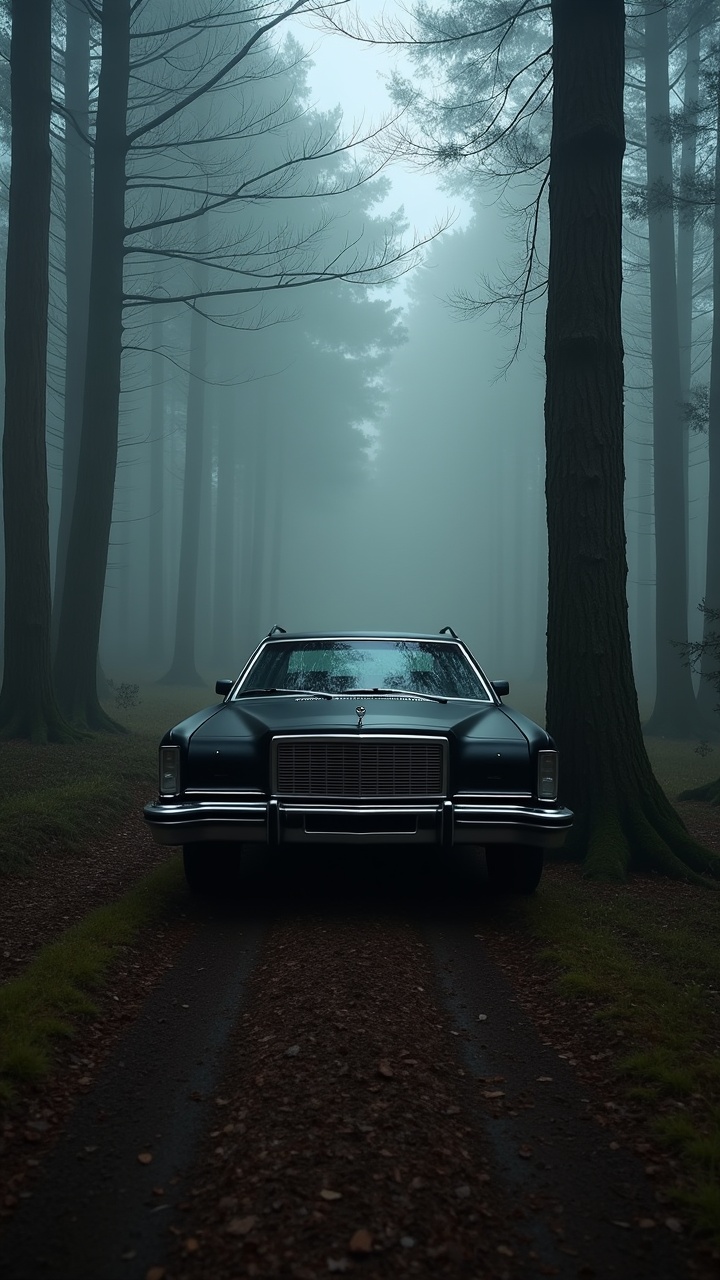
(302, 693)
(403, 693)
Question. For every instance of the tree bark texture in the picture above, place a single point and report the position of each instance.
(78, 240)
(81, 605)
(27, 703)
(183, 669)
(675, 712)
(622, 817)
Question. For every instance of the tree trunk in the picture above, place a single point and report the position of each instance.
(81, 605)
(255, 614)
(27, 703)
(246, 629)
(183, 669)
(686, 215)
(675, 712)
(224, 654)
(622, 818)
(686, 249)
(708, 686)
(277, 510)
(708, 696)
(78, 240)
(156, 523)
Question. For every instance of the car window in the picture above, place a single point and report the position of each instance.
(336, 666)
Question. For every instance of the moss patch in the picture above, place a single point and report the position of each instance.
(57, 988)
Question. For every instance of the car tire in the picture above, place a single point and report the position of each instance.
(210, 867)
(513, 868)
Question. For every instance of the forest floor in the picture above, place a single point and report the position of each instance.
(384, 1071)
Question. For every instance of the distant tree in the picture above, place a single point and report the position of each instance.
(27, 702)
(183, 669)
(675, 712)
(78, 240)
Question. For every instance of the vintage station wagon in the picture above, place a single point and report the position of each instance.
(360, 739)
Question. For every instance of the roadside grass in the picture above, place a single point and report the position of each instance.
(41, 1007)
(653, 972)
(59, 796)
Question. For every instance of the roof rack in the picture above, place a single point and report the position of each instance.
(272, 631)
(454, 634)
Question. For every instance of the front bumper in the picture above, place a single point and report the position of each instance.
(279, 823)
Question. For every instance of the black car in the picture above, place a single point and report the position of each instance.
(360, 739)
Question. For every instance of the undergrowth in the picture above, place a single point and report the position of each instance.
(58, 796)
(56, 990)
(658, 981)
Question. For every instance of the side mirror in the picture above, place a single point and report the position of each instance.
(223, 687)
(501, 687)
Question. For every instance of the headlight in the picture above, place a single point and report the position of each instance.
(169, 771)
(547, 784)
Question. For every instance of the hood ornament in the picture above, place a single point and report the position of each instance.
(359, 712)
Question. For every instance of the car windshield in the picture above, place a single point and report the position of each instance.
(432, 668)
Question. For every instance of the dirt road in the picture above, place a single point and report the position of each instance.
(335, 1076)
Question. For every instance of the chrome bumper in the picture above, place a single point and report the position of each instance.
(279, 823)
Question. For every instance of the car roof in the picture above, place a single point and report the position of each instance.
(360, 635)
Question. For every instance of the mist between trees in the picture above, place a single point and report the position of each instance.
(247, 420)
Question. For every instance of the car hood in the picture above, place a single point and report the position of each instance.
(490, 745)
(257, 717)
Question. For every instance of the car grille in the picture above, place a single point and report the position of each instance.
(359, 770)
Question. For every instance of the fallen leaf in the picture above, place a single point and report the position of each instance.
(241, 1226)
(144, 1157)
(493, 1093)
(192, 1245)
(330, 1195)
(155, 1273)
(384, 1069)
(360, 1241)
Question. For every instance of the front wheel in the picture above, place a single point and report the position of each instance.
(210, 867)
(513, 868)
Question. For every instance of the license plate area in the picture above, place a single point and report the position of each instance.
(360, 824)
